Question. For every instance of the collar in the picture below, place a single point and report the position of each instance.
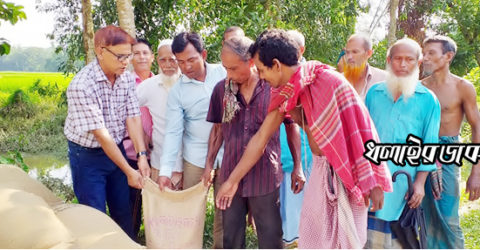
(98, 72)
(137, 77)
(101, 77)
(186, 79)
(419, 89)
(259, 88)
(369, 74)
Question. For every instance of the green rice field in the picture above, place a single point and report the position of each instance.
(12, 81)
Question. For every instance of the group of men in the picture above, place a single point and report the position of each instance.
(432, 109)
(219, 123)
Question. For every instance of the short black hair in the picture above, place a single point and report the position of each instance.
(275, 43)
(144, 41)
(183, 39)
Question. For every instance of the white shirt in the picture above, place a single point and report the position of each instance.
(153, 94)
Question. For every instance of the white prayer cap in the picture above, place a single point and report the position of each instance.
(164, 42)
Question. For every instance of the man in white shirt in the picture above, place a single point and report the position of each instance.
(153, 94)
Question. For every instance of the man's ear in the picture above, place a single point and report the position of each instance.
(204, 54)
(99, 52)
(450, 55)
(369, 53)
(302, 50)
(152, 56)
(251, 63)
(276, 65)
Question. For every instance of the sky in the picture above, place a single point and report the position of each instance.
(31, 32)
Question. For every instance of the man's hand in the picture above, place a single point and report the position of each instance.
(207, 176)
(225, 194)
(473, 185)
(376, 195)
(418, 194)
(177, 180)
(298, 180)
(143, 166)
(164, 182)
(135, 179)
(154, 174)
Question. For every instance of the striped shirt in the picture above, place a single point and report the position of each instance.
(266, 175)
(95, 103)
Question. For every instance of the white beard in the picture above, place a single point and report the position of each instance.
(405, 84)
(169, 81)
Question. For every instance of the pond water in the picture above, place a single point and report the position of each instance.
(52, 165)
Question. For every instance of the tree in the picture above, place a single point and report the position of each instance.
(67, 32)
(392, 29)
(326, 24)
(467, 16)
(125, 16)
(412, 16)
(31, 59)
(12, 13)
(460, 20)
(88, 39)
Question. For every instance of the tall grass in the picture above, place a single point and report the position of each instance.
(32, 112)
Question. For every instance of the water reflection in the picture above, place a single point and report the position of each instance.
(48, 164)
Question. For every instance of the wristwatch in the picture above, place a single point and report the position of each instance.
(141, 153)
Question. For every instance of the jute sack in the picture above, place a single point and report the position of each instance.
(92, 228)
(174, 219)
(26, 221)
(12, 176)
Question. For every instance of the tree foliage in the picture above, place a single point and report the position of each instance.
(326, 24)
(31, 59)
(467, 15)
(413, 15)
(460, 20)
(11, 13)
(67, 32)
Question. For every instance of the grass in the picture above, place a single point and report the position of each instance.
(32, 112)
(469, 210)
(471, 228)
(11, 81)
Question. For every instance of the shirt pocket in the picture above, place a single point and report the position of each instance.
(406, 124)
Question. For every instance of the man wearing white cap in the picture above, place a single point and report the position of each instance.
(153, 94)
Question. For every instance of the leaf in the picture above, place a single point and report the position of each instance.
(4, 48)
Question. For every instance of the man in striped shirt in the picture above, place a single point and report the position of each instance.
(238, 107)
(102, 105)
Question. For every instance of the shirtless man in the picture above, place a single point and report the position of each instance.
(457, 98)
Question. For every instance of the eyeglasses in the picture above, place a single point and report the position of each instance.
(121, 57)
